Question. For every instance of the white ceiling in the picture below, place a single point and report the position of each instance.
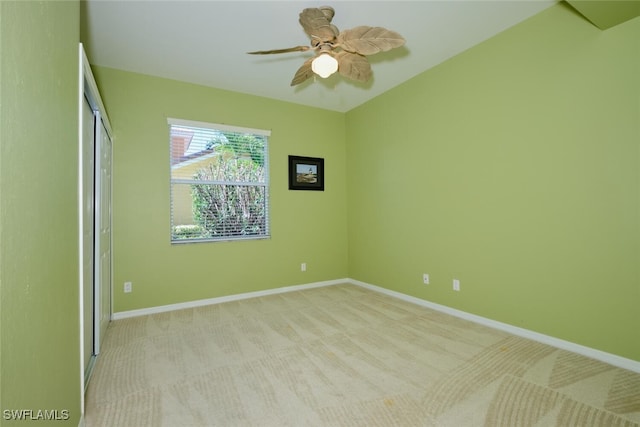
(205, 42)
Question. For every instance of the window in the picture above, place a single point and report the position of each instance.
(219, 182)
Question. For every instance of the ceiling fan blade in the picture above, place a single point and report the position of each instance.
(369, 40)
(353, 66)
(317, 24)
(289, 49)
(328, 11)
(303, 72)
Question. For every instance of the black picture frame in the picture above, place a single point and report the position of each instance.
(306, 173)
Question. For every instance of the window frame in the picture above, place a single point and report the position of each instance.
(216, 127)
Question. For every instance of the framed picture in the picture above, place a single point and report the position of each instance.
(306, 173)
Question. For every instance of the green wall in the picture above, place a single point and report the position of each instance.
(39, 303)
(513, 167)
(306, 226)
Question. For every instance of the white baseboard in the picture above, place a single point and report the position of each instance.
(612, 359)
(218, 300)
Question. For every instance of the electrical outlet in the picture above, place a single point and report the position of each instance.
(303, 266)
(425, 278)
(456, 284)
(128, 287)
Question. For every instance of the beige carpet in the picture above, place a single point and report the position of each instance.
(344, 356)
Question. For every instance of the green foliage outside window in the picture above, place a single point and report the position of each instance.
(237, 207)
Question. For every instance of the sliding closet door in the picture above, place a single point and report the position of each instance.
(95, 219)
(88, 202)
(103, 233)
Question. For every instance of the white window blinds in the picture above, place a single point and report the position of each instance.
(219, 182)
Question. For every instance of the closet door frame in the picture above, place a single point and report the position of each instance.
(88, 93)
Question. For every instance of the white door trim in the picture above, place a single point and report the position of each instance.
(87, 89)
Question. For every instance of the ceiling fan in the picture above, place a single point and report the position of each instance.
(344, 52)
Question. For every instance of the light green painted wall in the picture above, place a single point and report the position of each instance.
(39, 306)
(307, 226)
(513, 167)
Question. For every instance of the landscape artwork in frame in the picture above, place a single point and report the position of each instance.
(306, 173)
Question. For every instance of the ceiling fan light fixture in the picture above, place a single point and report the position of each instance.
(324, 65)
(345, 51)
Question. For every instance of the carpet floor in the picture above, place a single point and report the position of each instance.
(344, 355)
